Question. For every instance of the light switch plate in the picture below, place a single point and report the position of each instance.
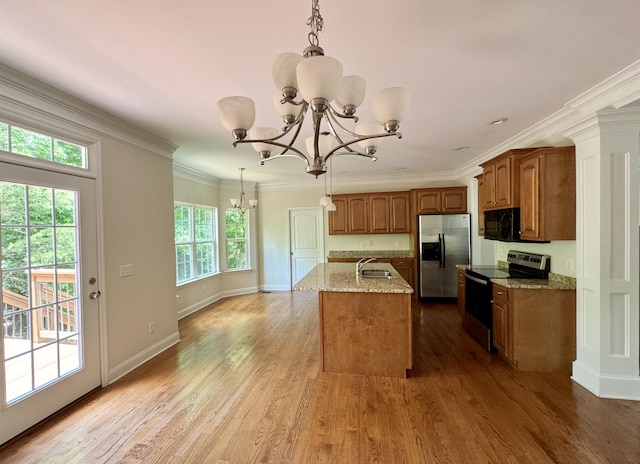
(126, 270)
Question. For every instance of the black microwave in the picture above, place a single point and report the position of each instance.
(502, 224)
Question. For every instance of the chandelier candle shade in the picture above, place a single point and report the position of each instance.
(241, 203)
(309, 83)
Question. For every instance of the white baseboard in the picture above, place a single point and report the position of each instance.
(275, 288)
(139, 359)
(607, 386)
(199, 305)
(240, 291)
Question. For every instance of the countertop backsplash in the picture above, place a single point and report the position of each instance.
(371, 254)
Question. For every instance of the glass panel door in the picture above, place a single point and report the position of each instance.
(50, 329)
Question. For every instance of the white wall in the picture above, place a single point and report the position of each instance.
(138, 230)
(273, 230)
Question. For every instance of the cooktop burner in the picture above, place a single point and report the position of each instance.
(523, 265)
(489, 273)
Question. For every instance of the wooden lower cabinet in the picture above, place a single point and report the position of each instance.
(461, 291)
(405, 267)
(501, 320)
(535, 329)
(366, 333)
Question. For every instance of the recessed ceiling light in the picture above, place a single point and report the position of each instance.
(497, 122)
(463, 148)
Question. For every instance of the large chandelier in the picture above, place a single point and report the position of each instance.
(241, 203)
(311, 82)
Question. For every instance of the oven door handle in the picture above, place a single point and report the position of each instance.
(475, 279)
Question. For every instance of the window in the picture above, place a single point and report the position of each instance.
(31, 144)
(196, 241)
(236, 230)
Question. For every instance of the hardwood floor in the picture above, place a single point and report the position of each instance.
(243, 386)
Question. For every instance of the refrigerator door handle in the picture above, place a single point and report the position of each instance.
(443, 254)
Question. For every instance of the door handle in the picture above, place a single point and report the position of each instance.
(94, 295)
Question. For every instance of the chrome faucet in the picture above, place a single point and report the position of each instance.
(360, 264)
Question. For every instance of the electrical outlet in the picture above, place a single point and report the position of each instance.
(570, 264)
(152, 327)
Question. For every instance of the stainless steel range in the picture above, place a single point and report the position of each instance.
(478, 317)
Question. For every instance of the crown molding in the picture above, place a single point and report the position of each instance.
(185, 172)
(234, 184)
(617, 91)
(381, 183)
(32, 101)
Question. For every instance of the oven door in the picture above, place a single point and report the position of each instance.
(478, 317)
(478, 295)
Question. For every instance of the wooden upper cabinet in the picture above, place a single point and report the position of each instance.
(370, 213)
(357, 214)
(338, 219)
(501, 179)
(481, 201)
(429, 201)
(505, 196)
(379, 213)
(399, 213)
(548, 195)
(441, 200)
(454, 200)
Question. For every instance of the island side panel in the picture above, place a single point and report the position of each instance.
(366, 333)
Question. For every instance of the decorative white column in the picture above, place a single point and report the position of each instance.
(608, 253)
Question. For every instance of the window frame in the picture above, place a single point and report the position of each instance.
(91, 149)
(246, 241)
(193, 242)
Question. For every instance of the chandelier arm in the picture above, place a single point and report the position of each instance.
(336, 114)
(297, 153)
(284, 155)
(359, 139)
(299, 121)
(350, 152)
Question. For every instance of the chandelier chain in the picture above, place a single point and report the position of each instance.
(315, 22)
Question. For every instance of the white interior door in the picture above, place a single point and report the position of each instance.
(50, 350)
(306, 232)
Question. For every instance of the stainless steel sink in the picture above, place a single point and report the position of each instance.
(375, 274)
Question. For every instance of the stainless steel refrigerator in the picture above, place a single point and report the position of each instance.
(444, 241)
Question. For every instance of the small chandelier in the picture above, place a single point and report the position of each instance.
(311, 82)
(241, 203)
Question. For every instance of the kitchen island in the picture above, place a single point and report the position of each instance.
(365, 323)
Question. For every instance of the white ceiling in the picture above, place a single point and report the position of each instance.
(164, 64)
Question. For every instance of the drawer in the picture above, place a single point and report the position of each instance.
(402, 261)
(500, 293)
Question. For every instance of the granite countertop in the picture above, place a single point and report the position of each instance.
(341, 277)
(372, 254)
(542, 284)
